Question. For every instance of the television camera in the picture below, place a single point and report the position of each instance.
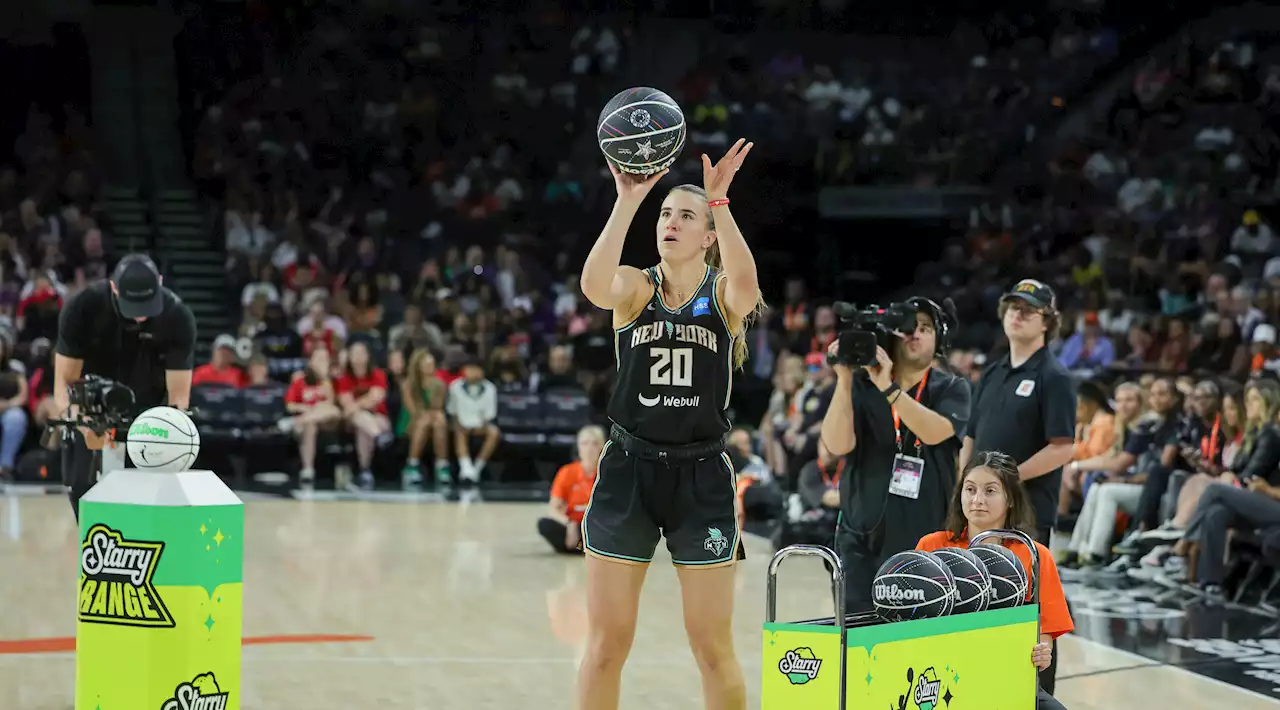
(865, 329)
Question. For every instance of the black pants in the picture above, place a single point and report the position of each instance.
(1153, 490)
(861, 555)
(1046, 701)
(79, 470)
(553, 531)
(1048, 676)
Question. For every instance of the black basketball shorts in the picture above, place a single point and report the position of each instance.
(636, 501)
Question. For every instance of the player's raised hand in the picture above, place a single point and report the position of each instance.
(716, 178)
(631, 186)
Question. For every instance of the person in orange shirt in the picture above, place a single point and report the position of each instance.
(1095, 436)
(570, 493)
(989, 497)
(222, 367)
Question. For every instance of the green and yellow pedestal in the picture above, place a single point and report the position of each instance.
(159, 608)
(976, 661)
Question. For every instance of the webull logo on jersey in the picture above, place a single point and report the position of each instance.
(116, 584)
(679, 332)
(669, 401)
(202, 693)
(896, 594)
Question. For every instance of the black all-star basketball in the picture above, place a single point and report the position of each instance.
(913, 585)
(641, 131)
(973, 582)
(1008, 576)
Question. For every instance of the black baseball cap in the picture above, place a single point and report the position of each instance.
(1036, 293)
(137, 287)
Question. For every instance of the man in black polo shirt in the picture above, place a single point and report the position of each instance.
(1025, 406)
(901, 422)
(129, 329)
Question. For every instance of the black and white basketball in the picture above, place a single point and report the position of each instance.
(641, 131)
(913, 585)
(973, 582)
(1008, 576)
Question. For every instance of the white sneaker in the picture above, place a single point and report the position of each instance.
(1156, 557)
(467, 471)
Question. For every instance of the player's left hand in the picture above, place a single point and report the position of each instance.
(1042, 655)
(882, 372)
(716, 178)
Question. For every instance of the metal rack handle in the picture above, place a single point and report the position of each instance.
(1030, 544)
(837, 598)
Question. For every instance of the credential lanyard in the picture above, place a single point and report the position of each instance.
(897, 421)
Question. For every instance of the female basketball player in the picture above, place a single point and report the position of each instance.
(990, 497)
(678, 330)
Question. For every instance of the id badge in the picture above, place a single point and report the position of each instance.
(906, 476)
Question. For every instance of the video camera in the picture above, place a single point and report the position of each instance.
(869, 328)
(102, 404)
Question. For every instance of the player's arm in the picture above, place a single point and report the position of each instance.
(742, 283)
(180, 359)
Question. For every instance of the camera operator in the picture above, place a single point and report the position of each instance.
(129, 329)
(901, 421)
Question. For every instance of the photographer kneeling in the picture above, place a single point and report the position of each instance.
(129, 330)
(901, 421)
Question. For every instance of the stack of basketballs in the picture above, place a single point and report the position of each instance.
(952, 580)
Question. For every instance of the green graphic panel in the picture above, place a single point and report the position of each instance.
(203, 545)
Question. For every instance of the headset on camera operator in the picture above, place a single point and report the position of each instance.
(901, 421)
(124, 345)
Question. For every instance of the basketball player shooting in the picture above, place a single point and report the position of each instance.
(678, 329)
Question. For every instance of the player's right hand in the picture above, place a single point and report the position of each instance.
(842, 371)
(633, 187)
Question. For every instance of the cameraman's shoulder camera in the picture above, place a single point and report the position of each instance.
(865, 329)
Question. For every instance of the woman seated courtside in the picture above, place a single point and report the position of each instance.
(989, 497)
(570, 493)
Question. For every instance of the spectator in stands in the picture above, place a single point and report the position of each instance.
(812, 401)
(1096, 434)
(559, 374)
(362, 394)
(258, 372)
(222, 369)
(320, 328)
(415, 333)
(312, 399)
(1088, 349)
(422, 418)
(13, 407)
(570, 494)
(473, 404)
(819, 488)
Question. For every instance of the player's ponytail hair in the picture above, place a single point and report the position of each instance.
(713, 259)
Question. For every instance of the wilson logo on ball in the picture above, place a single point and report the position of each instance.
(894, 593)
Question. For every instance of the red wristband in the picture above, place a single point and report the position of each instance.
(718, 203)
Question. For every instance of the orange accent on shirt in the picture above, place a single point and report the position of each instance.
(1055, 619)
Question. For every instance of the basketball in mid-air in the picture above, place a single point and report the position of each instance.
(913, 585)
(641, 131)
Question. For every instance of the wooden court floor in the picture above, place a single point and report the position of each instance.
(466, 609)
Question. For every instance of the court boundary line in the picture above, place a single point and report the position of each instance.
(1187, 671)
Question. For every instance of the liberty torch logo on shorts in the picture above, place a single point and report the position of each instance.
(116, 580)
(202, 693)
(715, 542)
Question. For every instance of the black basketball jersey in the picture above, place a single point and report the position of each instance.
(675, 368)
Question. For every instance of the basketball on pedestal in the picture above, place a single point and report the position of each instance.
(163, 440)
(641, 131)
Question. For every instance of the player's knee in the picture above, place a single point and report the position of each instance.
(609, 645)
(712, 645)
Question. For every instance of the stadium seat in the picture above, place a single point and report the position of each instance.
(521, 419)
(565, 412)
(218, 409)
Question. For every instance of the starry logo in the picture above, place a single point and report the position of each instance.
(645, 150)
(202, 693)
(800, 666)
(716, 542)
(639, 118)
(925, 691)
(116, 584)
